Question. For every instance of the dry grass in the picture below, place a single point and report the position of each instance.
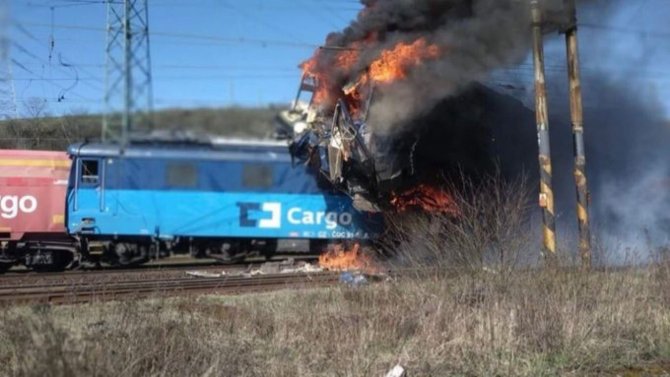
(530, 323)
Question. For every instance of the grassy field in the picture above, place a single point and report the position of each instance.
(540, 323)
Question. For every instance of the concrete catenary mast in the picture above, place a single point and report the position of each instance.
(577, 120)
(542, 120)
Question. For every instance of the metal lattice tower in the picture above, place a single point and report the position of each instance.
(128, 89)
(7, 94)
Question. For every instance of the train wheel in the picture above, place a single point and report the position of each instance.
(268, 248)
(318, 246)
(126, 254)
(49, 260)
(228, 252)
(7, 255)
(5, 266)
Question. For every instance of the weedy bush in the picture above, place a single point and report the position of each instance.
(491, 230)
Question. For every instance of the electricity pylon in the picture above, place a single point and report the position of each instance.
(7, 94)
(128, 89)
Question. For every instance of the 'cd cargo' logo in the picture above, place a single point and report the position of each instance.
(11, 205)
(268, 215)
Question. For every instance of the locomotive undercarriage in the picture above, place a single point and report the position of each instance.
(39, 254)
(135, 251)
(48, 254)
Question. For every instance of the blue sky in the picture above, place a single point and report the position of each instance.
(187, 72)
(235, 67)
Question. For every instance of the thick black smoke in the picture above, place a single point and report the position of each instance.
(474, 37)
(627, 132)
(448, 121)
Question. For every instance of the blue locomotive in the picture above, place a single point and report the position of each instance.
(216, 199)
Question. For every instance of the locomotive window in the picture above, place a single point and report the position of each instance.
(257, 176)
(89, 172)
(182, 175)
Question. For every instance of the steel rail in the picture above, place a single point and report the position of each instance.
(27, 279)
(147, 269)
(97, 291)
(161, 265)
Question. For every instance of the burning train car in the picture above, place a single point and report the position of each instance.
(357, 117)
(336, 140)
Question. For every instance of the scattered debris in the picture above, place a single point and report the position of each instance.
(269, 268)
(397, 371)
(353, 278)
(307, 268)
(206, 274)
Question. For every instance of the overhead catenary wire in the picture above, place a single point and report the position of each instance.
(191, 39)
(61, 65)
(43, 63)
(212, 38)
(41, 78)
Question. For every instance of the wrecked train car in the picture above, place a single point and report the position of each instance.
(341, 150)
(474, 134)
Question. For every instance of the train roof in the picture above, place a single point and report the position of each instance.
(32, 154)
(212, 149)
(33, 165)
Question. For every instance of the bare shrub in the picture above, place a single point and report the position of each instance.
(491, 230)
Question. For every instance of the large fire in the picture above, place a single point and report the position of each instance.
(389, 66)
(394, 64)
(426, 197)
(338, 258)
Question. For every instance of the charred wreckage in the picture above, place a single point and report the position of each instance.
(341, 150)
(358, 119)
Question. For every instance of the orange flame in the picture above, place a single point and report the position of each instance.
(309, 68)
(393, 64)
(340, 259)
(426, 197)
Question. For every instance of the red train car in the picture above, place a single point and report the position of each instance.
(32, 203)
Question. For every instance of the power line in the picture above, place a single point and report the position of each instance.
(7, 93)
(44, 63)
(193, 4)
(254, 68)
(626, 30)
(212, 38)
(260, 21)
(174, 78)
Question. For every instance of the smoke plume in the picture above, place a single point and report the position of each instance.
(473, 38)
(440, 113)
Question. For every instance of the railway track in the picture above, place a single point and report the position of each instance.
(138, 270)
(86, 290)
(173, 263)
